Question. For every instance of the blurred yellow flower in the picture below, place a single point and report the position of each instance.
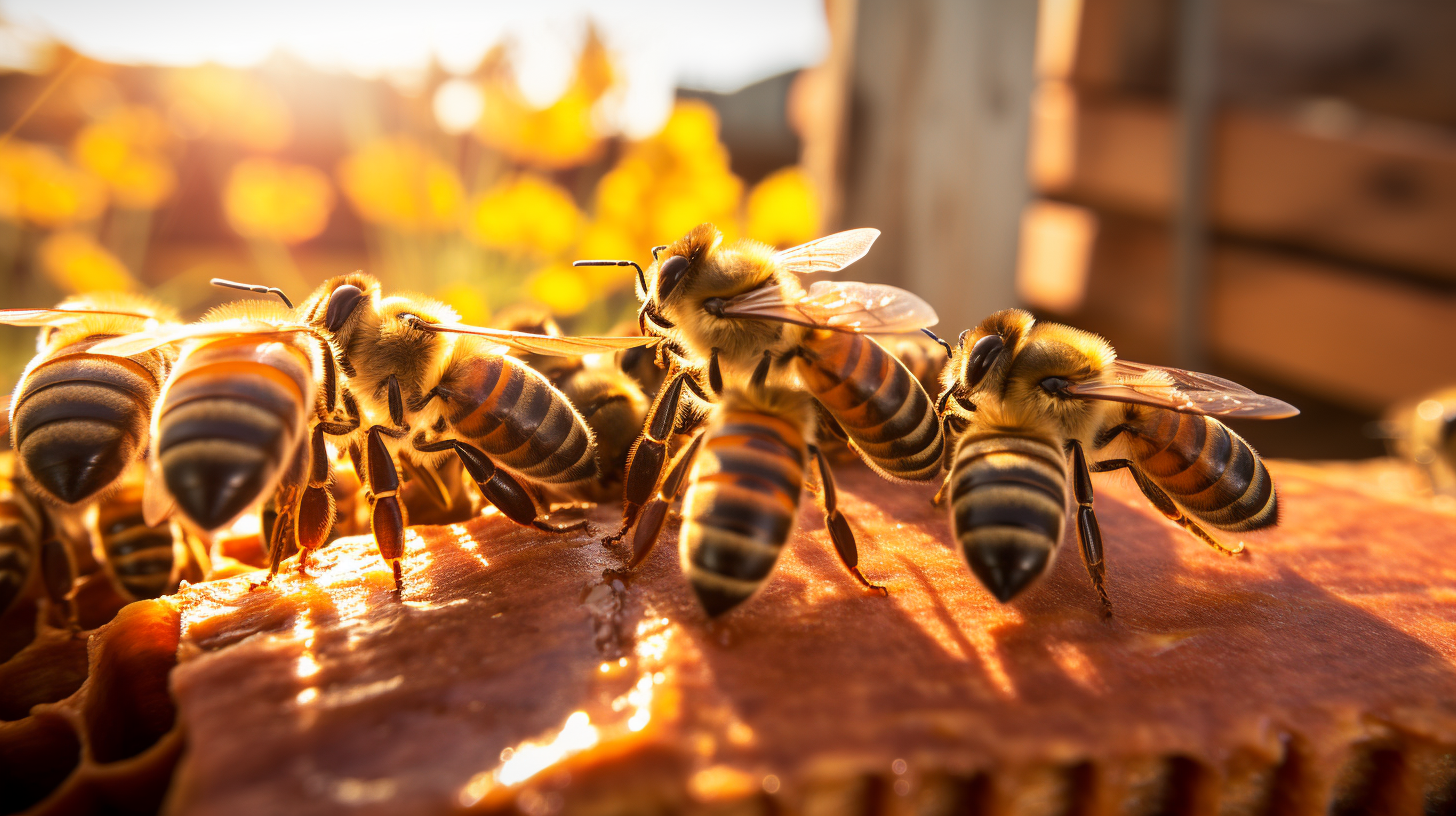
(670, 182)
(526, 215)
(46, 190)
(467, 301)
(125, 150)
(277, 200)
(228, 103)
(783, 209)
(561, 135)
(561, 288)
(606, 241)
(76, 263)
(397, 182)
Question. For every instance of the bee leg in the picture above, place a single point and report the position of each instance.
(715, 374)
(329, 399)
(939, 498)
(650, 526)
(951, 427)
(839, 530)
(197, 551)
(1088, 532)
(396, 403)
(1166, 505)
(760, 372)
(386, 514)
(286, 499)
(649, 455)
(503, 490)
(316, 507)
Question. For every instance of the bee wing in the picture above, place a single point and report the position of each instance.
(52, 317)
(828, 254)
(1186, 392)
(557, 346)
(157, 503)
(847, 306)
(143, 341)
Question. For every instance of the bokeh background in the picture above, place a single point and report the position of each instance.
(1263, 189)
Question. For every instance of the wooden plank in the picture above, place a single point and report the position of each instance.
(937, 147)
(1369, 190)
(1361, 340)
(1392, 57)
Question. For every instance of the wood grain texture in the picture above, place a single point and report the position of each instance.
(1369, 190)
(1315, 671)
(1320, 326)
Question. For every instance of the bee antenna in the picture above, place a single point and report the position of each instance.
(253, 287)
(641, 278)
(943, 344)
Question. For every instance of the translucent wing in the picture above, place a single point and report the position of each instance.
(51, 317)
(828, 254)
(847, 306)
(557, 346)
(132, 344)
(157, 503)
(1186, 392)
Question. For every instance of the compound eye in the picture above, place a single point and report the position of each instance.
(1055, 386)
(342, 304)
(669, 275)
(983, 355)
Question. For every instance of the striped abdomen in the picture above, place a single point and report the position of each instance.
(922, 356)
(20, 533)
(740, 506)
(230, 418)
(79, 419)
(879, 404)
(139, 559)
(511, 412)
(1209, 470)
(1007, 507)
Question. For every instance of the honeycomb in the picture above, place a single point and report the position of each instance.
(519, 673)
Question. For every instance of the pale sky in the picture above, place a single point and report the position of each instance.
(695, 43)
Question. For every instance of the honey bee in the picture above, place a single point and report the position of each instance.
(29, 539)
(428, 386)
(78, 419)
(22, 522)
(142, 560)
(1024, 403)
(921, 354)
(607, 397)
(241, 420)
(739, 315)
(1424, 434)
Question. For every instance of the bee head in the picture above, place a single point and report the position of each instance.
(1051, 357)
(336, 306)
(982, 358)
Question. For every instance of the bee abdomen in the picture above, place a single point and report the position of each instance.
(1208, 470)
(225, 429)
(1007, 508)
(740, 507)
(140, 559)
(80, 420)
(878, 402)
(513, 414)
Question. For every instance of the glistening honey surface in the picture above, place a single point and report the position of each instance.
(513, 674)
